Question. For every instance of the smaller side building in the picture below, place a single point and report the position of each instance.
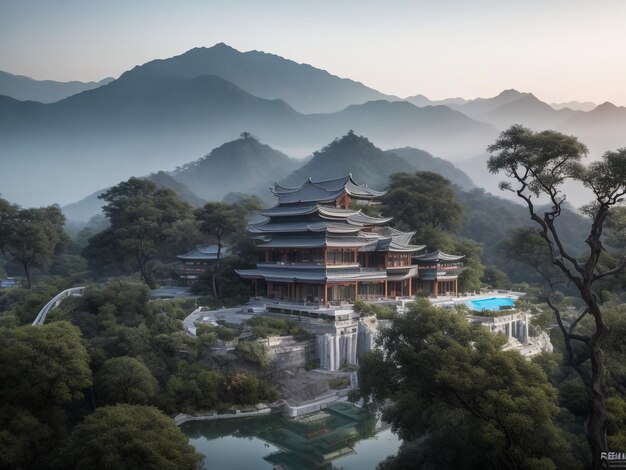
(192, 264)
(438, 273)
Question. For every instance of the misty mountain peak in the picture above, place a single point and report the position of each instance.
(512, 95)
(306, 88)
(348, 145)
(241, 163)
(606, 106)
(219, 47)
(239, 151)
(512, 92)
(350, 154)
(223, 45)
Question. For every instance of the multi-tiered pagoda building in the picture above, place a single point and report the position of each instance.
(321, 248)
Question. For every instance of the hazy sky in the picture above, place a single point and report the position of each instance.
(560, 50)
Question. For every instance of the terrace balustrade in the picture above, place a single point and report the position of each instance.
(432, 274)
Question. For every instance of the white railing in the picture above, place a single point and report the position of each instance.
(55, 301)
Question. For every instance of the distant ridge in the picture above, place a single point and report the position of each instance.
(421, 100)
(421, 160)
(603, 128)
(144, 123)
(244, 165)
(304, 87)
(350, 154)
(44, 91)
(575, 105)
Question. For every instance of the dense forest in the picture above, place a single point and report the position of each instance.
(115, 357)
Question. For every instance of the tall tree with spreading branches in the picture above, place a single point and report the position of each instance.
(536, 165)
(146, 222)
(221, 221)
(31, 237)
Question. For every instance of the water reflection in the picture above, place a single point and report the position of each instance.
(334, 436)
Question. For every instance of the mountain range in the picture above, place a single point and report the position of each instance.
(307, 89)
(165, 113)
(44, 91)
(246, 165)
(601, 127)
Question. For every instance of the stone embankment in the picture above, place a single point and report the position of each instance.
(302, 408)
(213, 416)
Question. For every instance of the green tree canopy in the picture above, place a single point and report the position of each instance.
(145, 224)
(222, 223)
(43, 366)
(7, 213)
(129, 436)
(125, 380)
(468, 404)
(423, 199)
(247, 390)
(43, 372)
(255, 352)
(193, 388)
(20, 306)
(31, 237)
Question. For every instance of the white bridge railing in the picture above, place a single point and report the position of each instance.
(55, 301)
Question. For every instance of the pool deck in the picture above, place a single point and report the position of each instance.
(461, 299)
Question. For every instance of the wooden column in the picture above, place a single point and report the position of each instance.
(386, 288)
(356, 289)
(456, 287)
(325, 256)
(436, 288)
(410, 290)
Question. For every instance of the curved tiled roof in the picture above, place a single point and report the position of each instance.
(393, 245)
(279, 211)
(290, 274)
(204, 253)
(400, 238)
(364, 219)
(350, 216)
(324, 191)
(312, 241)
(303, 226)
(437, 256)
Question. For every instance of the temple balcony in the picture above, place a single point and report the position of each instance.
(319, 264)
(432, 274)
(183, 270)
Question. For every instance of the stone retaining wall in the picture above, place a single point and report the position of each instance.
(183, 418)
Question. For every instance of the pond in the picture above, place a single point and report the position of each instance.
(341, 436)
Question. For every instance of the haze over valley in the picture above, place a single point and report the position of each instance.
(169, 112)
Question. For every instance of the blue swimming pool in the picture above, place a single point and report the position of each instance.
(492, 303)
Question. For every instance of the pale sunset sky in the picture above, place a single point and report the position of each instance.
(560, 50)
